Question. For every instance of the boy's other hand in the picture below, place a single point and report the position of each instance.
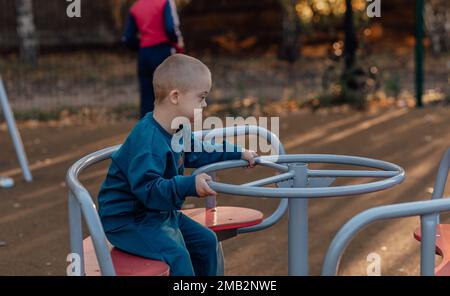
(249, 155)
(202, 187)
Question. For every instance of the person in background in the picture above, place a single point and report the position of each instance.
(153, 28)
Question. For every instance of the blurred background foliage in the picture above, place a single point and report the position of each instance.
(314, 53)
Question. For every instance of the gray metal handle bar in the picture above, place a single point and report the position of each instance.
(427, 210)
(394, 174)
(81, 203)
(273, 140)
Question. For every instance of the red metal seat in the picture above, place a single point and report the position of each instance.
(225, 218)
(442, 248)
(125, 264)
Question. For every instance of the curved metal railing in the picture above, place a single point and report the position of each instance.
(81, 204)
(427, 210)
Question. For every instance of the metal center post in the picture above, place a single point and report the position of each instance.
(298, 223)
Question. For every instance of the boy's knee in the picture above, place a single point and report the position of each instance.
(210, 239)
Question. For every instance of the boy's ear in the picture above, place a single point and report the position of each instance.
(174, 96)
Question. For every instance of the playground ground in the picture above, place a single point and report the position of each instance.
(33, 216)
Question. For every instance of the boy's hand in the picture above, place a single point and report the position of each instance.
(249, 155)
(202, 187)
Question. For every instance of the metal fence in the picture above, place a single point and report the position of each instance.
(81, 60)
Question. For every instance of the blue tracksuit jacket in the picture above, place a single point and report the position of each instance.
(140, 199)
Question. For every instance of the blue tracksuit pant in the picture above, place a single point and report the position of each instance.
(186, 246)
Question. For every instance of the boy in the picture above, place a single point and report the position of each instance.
(140, 199)
(157, 24)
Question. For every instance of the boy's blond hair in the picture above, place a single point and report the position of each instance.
(178, 72)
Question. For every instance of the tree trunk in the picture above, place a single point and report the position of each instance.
(350, 43)
(290, 47)
(26, 31)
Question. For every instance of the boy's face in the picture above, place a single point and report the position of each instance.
(195, 98)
